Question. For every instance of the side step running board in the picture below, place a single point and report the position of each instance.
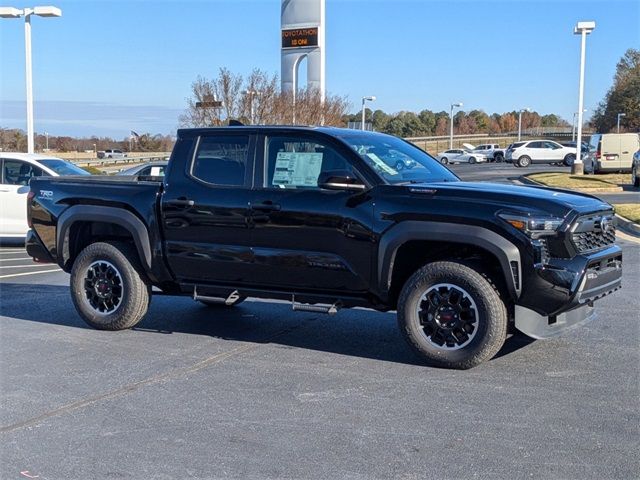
(303, 307)
(230, 300)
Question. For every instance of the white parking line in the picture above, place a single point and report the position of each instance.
(23, 266)
(30, 273)
(4, 251)
(15, 259)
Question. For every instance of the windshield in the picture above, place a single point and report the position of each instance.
(63, 168)
(397, 161)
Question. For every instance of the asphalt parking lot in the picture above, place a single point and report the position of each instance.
(258, 391)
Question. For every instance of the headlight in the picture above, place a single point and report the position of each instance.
(532, 225)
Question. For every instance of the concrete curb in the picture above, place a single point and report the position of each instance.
(627, 226)
(525, 179)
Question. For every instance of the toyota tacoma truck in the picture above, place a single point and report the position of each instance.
(315, 216)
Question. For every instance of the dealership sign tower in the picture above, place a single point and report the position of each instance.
(302, 30)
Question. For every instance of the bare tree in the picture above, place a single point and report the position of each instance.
(262, 92)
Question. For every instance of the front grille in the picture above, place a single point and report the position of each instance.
(593, 232)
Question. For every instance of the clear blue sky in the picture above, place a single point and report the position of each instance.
(107, 67)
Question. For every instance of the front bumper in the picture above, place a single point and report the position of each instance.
(560, 294)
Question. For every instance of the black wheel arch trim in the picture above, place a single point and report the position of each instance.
(505, 251)
(96, 213)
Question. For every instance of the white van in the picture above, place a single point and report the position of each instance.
(611, 152)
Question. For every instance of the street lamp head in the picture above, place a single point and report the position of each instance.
(526, 109)
(47, 11)
(456, 105)
(586, 27)
(372, 98)
(10, 12)
(622, 114)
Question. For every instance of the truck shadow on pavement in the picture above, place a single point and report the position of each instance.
(356, 332)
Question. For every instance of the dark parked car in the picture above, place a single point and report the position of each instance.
(317, 217)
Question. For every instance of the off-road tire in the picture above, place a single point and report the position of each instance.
(491, 322)
(135, 288)
(498, 158)
(524, 161)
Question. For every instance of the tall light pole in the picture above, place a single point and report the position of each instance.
(573, 125)
(583, 29)
(10, 12)
(251, 94)
(46, 135)
(520, 121)
(453, 105)
(364, 100)
(620, 115)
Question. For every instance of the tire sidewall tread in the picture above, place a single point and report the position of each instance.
(491, 311)
(136, 288)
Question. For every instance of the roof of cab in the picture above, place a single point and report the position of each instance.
(332, 131)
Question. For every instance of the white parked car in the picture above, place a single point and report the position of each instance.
(111, 153)
(523, 154)
(459, 155)
(16, 169)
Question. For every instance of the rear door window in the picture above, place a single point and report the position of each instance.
(222, 160)
(17, 172)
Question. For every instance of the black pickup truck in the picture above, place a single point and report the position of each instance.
(320, 217)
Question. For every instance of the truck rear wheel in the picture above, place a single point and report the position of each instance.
(108, 286)
(498, 158)
(452, 316)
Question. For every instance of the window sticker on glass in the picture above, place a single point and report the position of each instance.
(156, 171)
(381, 165)
(297, 169)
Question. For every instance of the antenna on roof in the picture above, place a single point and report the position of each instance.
(235, 123)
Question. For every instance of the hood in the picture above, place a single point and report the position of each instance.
(468, 146)
(551, 200)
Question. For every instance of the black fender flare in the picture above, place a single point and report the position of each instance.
(506, 252)
(97, 213)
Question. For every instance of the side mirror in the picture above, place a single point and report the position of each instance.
(340, 180)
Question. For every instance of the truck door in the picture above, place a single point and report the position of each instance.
(204, 208)
(306, 237)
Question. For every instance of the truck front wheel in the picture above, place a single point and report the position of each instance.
(452, 316)
(108, 286)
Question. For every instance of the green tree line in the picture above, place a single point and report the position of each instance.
(428, 123)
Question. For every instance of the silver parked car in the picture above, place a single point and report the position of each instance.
(459, 155)
(153, 169)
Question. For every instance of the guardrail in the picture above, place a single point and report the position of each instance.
(105, 162)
